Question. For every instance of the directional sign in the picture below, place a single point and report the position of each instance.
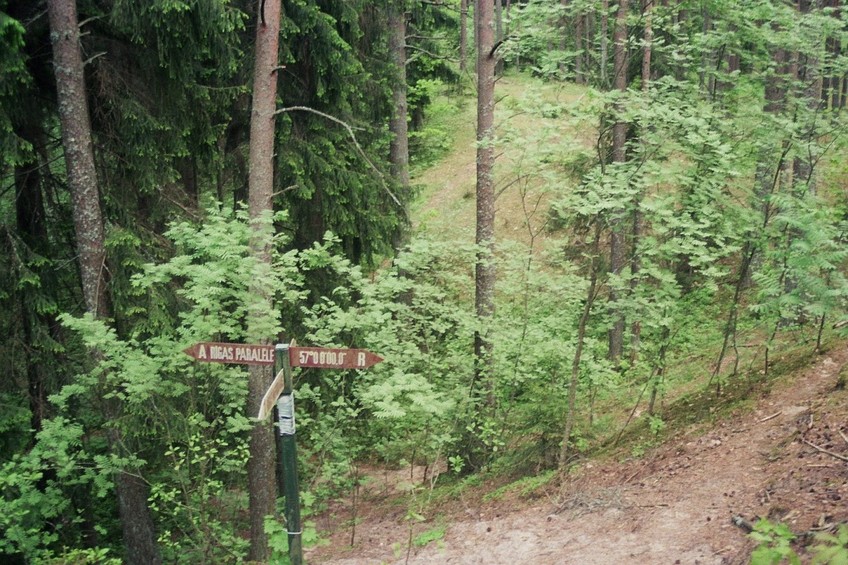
(332, 358)
(236, 353)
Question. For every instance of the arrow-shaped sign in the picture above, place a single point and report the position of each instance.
(332, 358)
(236, 353)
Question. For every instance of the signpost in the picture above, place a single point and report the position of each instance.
(332, 358)
(236, 353)
(287, 449)
(284, 357)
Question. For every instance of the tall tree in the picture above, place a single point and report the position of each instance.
(619, 155)
(463, 34)
(399, 145)
(136, 521)
(635, 264)
(604, 47)
(261, 467)
(485, 232)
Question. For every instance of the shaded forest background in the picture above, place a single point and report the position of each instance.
(680, 200)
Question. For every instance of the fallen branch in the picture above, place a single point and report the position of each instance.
(767, 418)
(843, 436)
(631, 477)
(825, 451)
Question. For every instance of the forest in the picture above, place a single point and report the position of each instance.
(652, 224)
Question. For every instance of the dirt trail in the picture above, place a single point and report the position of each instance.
(671, 506)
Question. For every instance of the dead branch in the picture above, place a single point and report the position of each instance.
(825, 451)
(767, 418)
(352, 136)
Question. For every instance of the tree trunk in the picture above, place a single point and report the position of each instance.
(498, 21)
(635, 263)
(399, 146)
(475, 15)
(809, 74)
(463, 34)
(647, 16)
(79, 154)
(604, 42)
(579, 57)
(578, 352)
(485, 233)
(260, 467)
(136, 521)
(619, 139)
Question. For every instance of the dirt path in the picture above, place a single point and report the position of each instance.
(671, 506)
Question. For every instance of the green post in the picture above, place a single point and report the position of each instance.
(287, 449)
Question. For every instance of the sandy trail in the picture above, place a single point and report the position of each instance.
(672, 506)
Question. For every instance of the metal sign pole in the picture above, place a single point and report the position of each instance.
(287, 448)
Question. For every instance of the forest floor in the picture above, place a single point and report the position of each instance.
(674, 504)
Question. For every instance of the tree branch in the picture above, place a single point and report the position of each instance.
(825, 451)
(430, 53)
(352, 136)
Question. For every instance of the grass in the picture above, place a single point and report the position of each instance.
(523, 487)
(445, 207)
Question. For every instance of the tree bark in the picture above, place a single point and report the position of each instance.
(498, 21)
(809, 73)
(619, 139)
(648, 36)
(604, 42)
(399, 146)
(635, 263)
(580, 56)
(575, 363)
(79, 154)
(261, 465)
(485, 232)
(136, 521)
(463, 34)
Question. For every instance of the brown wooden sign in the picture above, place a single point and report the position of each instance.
(235, 353)
(332, 358)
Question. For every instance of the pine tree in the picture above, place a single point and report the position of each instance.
(485, 225)
(261, 467)
(139, 534)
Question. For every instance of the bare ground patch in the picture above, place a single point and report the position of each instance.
(781, 460)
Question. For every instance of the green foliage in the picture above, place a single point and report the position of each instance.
(773, 544)
(13, 70)
(434, 138)
(831, 548)
(434, 534)
(524, 487)
(183, 425)
(536, 39)
(707, 174)
(278, 540)
(92, 556)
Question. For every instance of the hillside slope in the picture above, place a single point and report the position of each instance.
(673, 505)
(445, 208)
(668, 504)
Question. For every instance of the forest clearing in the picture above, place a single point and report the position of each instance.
(413, 281)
